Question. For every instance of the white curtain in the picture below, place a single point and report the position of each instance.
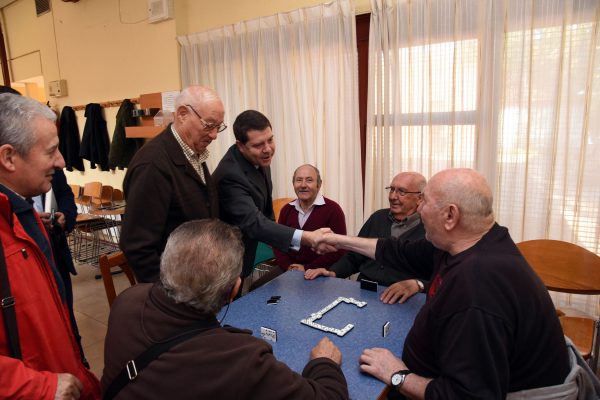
(300, 70)
(508, 87)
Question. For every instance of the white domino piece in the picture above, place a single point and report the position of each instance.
(268, 334)
(386, 329)
(319, 314)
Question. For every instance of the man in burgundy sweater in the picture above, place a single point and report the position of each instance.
(310, 211)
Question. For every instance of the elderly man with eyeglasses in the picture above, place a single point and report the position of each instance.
(401, 220)
(168, 183)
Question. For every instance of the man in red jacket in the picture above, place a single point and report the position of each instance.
(39, 358)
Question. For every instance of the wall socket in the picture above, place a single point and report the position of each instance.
(57, 88)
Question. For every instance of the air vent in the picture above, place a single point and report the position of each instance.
(159, 10)
(42, 7)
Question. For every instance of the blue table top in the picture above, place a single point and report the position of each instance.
(300, 298)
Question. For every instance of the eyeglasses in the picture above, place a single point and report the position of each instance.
(208, 127)
(401, 192)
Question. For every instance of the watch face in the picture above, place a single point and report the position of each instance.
(397, 379)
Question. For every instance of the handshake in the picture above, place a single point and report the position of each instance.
(322, 240)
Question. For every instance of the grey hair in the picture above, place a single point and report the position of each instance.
(470, 192)
(313, 167)
(196, 95)
(17, 114)
(201, 263)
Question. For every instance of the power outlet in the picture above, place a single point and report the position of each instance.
(57, 88)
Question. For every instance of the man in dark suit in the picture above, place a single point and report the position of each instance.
(243, 179)
(168, 183)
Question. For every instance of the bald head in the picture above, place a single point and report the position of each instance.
(196, 96)
(411, 184)
(469, 191)
(310, 168)
(198, 118)
(414, 180)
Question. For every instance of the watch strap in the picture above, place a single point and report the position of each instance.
(421, 285)
(404, 373)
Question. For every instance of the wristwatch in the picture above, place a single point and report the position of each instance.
(420, 285)
(399, 377)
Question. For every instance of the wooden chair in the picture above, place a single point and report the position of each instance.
(89, 229)
(278, 205)
(91, 190)
(568, 268)
(104, 198)
(76, 189)
(107, 263)
(117, 195)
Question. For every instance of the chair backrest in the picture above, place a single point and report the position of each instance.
(117, 195)
(105, 197)
(563, 267)
(107, 263)
(76, 189)
(278, 205)
(90, 190)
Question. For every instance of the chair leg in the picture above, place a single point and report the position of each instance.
(109, 286)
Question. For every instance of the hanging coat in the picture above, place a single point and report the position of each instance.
(68, 136)
(122, 149)
(95, 143)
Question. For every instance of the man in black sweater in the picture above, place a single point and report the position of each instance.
(401, 220)
(488, 327)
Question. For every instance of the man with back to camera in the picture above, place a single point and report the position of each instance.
(310, 211)
(168, 183)
(488, 327)
(401, 221)
(199, 273)
(39, 356)
(243, 179)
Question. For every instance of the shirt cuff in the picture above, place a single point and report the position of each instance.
(295, 244)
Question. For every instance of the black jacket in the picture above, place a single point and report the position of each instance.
(95, 143)
(163, 191)
(121, 148)
(68, 136)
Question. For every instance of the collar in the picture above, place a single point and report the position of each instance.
(406, 221)
(159, 299)
(319, 201)
(243, 163)
(189, 153)
(18, 202)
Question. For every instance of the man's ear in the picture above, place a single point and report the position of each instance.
(7, 157)
(181, 113)
(452, 217)
(236, 288)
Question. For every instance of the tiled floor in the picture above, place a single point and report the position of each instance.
(91, 312)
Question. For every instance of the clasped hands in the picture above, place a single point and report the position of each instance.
(322, 240)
